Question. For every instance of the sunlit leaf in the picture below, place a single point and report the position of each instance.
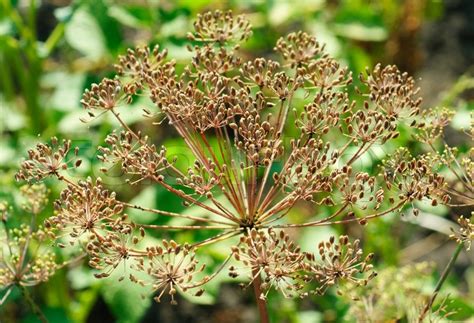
(83, 34)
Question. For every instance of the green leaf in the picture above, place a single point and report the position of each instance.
(6, 153)
(360, 22)
(357, 58)
(87, 299)
(124, 17)
(309, 317)
(6, 28)
(53, 314)
(325, 36)
(194, 5)
(358, 31)
(462, 118)
(109, 26)
(68, 89)
(71, 122)
(125, 298)
(177, 27)
(81, 277)
(12, 119)
(83, 34)
(311, 236)
(146, 198)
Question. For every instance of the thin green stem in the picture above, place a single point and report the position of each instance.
(441, 281)
(34, 307)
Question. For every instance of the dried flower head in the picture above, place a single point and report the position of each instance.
(456, 166)
(393, 92)
(299, 48)
(16, 268)
(115, 248)
(414, 179)
(48, 160)
(398, 293)
(339, 261)
(26, 255)
(273, 256)
(220, 27)
(171, 267)
(85, 208)
(139, 67)
(249, 166)
(436, 120)
(137, 158)
(35, 197)
(465, 233)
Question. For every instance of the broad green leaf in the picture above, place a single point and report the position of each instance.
(463, 118)
(325, 36)
(6, 28)
(109, 26)
(310, 237)
(68, 90)
(128, 301)
(12, 119)
(146, 198)
(86, 299)
(71, 122)
(194, 5)
(83, 33)
(359, 31)
(7, 153)
(81, 277)
(177, 27)
(309, 317)
(53, 314)
(124, 17)
(360, 22)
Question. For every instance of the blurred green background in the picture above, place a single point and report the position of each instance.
(50, 51)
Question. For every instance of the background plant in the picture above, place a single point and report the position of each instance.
(27, 257)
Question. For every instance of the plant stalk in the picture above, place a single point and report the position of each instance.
(34, 307)
(262, 306)
(441, 281)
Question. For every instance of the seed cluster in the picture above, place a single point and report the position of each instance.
(393, 92)
(339, 260)
(221, 27)
(171, 267)
(136, 157)
(414, 178)
(27, 257)
(274, 256)
(457, 190)
(16, 269)
(141, 66)
(106, 95)
(47, 160)
(465, 233)
(299, 48)
(84, 208)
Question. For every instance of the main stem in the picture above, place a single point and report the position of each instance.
(441, 280)
(262, 306)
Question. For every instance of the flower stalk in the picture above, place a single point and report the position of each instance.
(439, 284)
